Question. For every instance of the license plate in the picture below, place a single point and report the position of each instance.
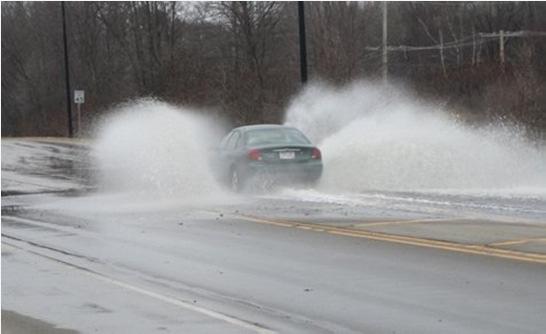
(287, 155)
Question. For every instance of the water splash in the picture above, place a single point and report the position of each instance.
(152, 148)
(376, 138)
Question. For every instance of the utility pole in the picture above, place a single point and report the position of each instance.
(501, 49)
(442, 60)
(385, 66)
(67, 74)
(303, 45)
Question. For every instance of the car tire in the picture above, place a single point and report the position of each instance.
(312, 182)
(235, 180)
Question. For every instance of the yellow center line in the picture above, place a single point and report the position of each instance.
(486, 250)
(263, 221)
(400, 222)
(516, 242)
(470, 249)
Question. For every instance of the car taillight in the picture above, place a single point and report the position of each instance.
(315, 154)
(255, 154)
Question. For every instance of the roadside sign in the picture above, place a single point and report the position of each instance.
(79, 99)
(79, 96)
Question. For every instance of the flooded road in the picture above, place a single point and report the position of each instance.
(297, 260)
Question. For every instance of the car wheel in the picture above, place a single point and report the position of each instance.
(312, 182)
(235, 181)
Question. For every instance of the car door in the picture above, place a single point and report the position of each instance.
(220, 158)
(232, 149)
(227, 154)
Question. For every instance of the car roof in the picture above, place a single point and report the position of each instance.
(262, 127)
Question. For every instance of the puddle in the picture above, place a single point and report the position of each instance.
(15, 323)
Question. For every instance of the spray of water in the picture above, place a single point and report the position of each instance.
(385, 139)
(156, 150)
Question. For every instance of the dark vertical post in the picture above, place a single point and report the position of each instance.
(67, 74)
(501, 48)
(385, 66)
(303, 45)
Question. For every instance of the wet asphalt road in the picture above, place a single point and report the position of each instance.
(105, 264)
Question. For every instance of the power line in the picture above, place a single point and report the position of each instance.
(460, 43)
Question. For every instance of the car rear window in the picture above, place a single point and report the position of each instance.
(280, 136)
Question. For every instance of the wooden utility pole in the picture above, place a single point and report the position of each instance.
(385, 66)
(473, 46)
(303, 44)
(501, 49)
(67, 74)
(442, 60)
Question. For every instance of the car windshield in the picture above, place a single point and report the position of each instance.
(282, 136)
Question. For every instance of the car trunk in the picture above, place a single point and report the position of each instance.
(286, 154)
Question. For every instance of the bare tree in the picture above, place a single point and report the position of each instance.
(241, 58)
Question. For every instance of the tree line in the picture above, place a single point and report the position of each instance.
(241, 59)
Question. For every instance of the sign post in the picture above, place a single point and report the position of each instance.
(79, 99)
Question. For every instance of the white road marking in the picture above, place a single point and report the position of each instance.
(166, 299)
(186, 305)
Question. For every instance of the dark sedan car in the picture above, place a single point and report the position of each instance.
(258, 154)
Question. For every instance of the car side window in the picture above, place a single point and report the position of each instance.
(232, 142)
(225, 141)
(240, 141)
